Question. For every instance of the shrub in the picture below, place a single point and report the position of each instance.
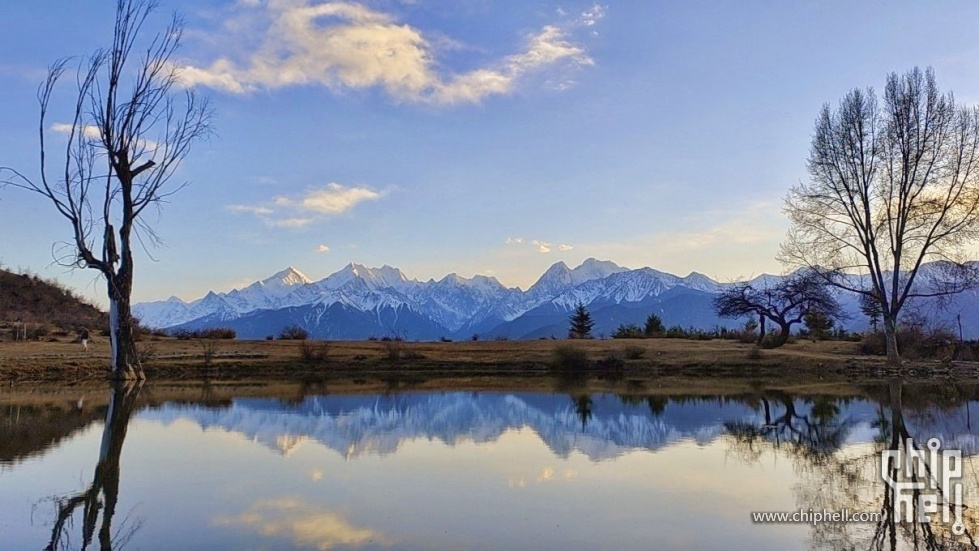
(146, 352)
(754, 353)
(270, 337)
(293, 333)
(217, 333)
(204, 333)
(634, 352)
(445, 339)
(570, 358)
(395, 350)
(313, 352)
(653, 326)
(628, 331)
(914, 343)
(611, 367)
(209, 349)
(475, 337)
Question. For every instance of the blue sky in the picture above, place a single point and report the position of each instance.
(478, 136)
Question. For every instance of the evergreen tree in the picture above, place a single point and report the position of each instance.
(654, 326)
(819, 324)
(871, 308)
(581, 323)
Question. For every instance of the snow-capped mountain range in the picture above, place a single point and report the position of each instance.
(362, 425)
(359, 302)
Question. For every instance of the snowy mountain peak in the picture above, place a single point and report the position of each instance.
(559, 276)
(288, 277)
(592, 268)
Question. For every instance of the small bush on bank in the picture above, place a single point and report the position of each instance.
(628, 331)
(918, 343)
(570, 358)
(313, 352)
(206, 333)
(634, 352)
(293, 333)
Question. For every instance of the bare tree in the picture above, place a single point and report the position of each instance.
(130, 129)
(785, 303)
(892, 187)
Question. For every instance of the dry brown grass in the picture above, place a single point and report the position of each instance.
(177, 359)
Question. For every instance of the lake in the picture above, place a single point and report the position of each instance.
(632, 468)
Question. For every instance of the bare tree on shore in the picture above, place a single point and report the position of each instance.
(130, 128)
(893, 185)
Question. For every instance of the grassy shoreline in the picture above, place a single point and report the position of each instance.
(357, 361)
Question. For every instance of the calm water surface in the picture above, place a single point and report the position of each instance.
(467, 470)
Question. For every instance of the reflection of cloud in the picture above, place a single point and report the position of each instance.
(546, 475)
(303, 523)
(316, 475)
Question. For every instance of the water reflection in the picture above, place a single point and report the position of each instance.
(97, 503)
(417, 469)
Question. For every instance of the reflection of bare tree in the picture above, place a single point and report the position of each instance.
(815, 435)
(103, 493)
(889, 530)
(836, 479)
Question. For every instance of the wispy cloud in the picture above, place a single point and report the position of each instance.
(332, 199)
(92, 132)
(249, 209)
(349, 45)
(541, 246)
(315, 203)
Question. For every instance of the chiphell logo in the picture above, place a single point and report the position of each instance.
(925, 483)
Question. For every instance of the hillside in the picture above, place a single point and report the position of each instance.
(38, 302)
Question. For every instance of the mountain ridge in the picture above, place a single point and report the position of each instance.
(383, 301)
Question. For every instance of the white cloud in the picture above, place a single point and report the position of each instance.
(91, 131)
(348, 45)
(593, 15)
(249, 209)
(332, 199)
(322, 249)
(541, 246)
(316, 203)
(294, 222)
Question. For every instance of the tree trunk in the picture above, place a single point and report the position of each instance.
(125, 360)
(761, 329)
(783, 335)
(890, 342)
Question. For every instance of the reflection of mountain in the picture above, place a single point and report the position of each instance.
(359, 425)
